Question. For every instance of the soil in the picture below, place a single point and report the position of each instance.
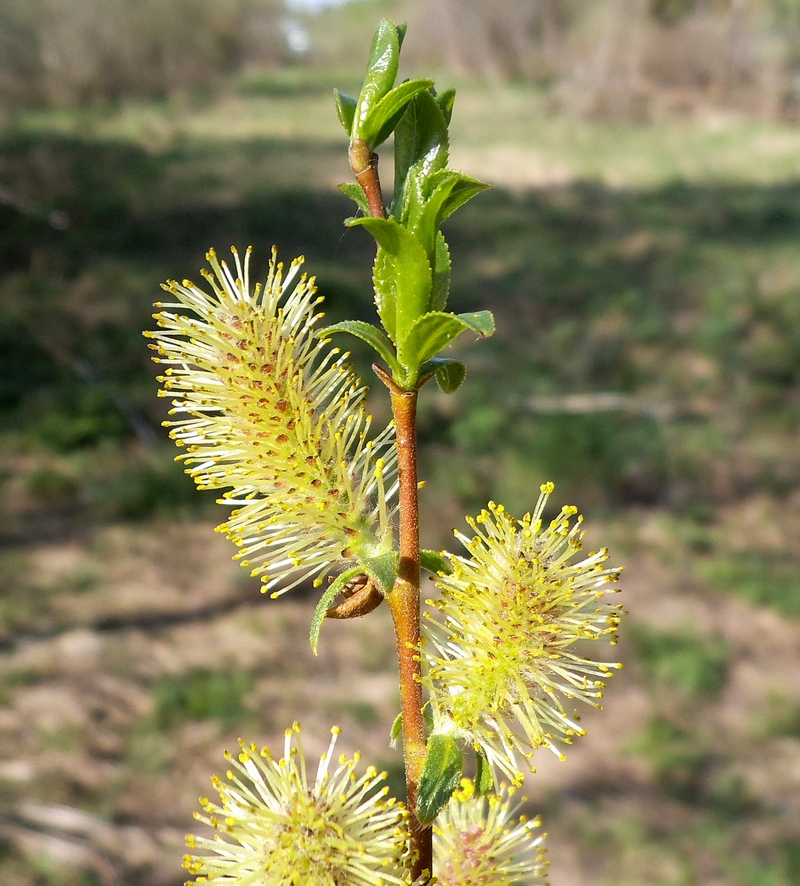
(96, 787)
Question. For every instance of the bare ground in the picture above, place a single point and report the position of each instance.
(95, 789)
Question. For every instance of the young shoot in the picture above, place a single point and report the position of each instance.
(266, 409)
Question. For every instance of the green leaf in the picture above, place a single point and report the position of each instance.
(410, 200)
(346, 109)
(441, 275)
(356, 193)
(386, 231)
(374, 337)
(445, 100)
(481, 322)
(426, 201)
(381, 73)
(420, 139)
(435, 562)
(412, 280)
(430, 367)
(424, 214)
(434, 331)
(382, 569)
(428, 204)
(385, 115)
(385, 291)
(459, 189)
(484, 780)
(397, 728)
(441, 774)
(450, 373)
(334, 588)
(402, 275)
(450, 376)
(430, 334)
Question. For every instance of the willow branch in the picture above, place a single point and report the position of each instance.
(404, 602)
(364, 164)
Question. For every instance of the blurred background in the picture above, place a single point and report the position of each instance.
(640, 252)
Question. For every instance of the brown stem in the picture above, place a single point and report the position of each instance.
(365, 168)
(404, 602)
(371, 185)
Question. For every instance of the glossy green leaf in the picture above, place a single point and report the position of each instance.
(449, 373)
(374, 337)
(381, 73)
(426, 201)
(356, 193)
(413, 282)
(440, 195)
(387, 232)
(435, 330)
(430, 334)
(451, 376)
(458, 189)
(446, 100)
(421, 140)
(397, 729)
(345, 109)
(484, 780)
(446, 191)
(385, 115)
(401, 275)
(385, 291)
(411, 199)
(382, 569)
(480, 322)
(441, 275)
(435, 562)
(441, 774)
(333, 589)
(423, 214)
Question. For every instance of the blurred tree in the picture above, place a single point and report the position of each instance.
(78, 51)
(670, 12)
(510, 39)
(631, 58)
(623, 58)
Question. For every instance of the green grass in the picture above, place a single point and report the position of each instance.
(779, 717)
(685, 848)
(657, 262)
(671, 287)
(682, 660)
(297, 103)
(712, 549)
(764, 579)
(361, 712)
(25, 603)
(688, 769)
(202, 694)
(715, 148)
(643, 857)
(679, 763)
